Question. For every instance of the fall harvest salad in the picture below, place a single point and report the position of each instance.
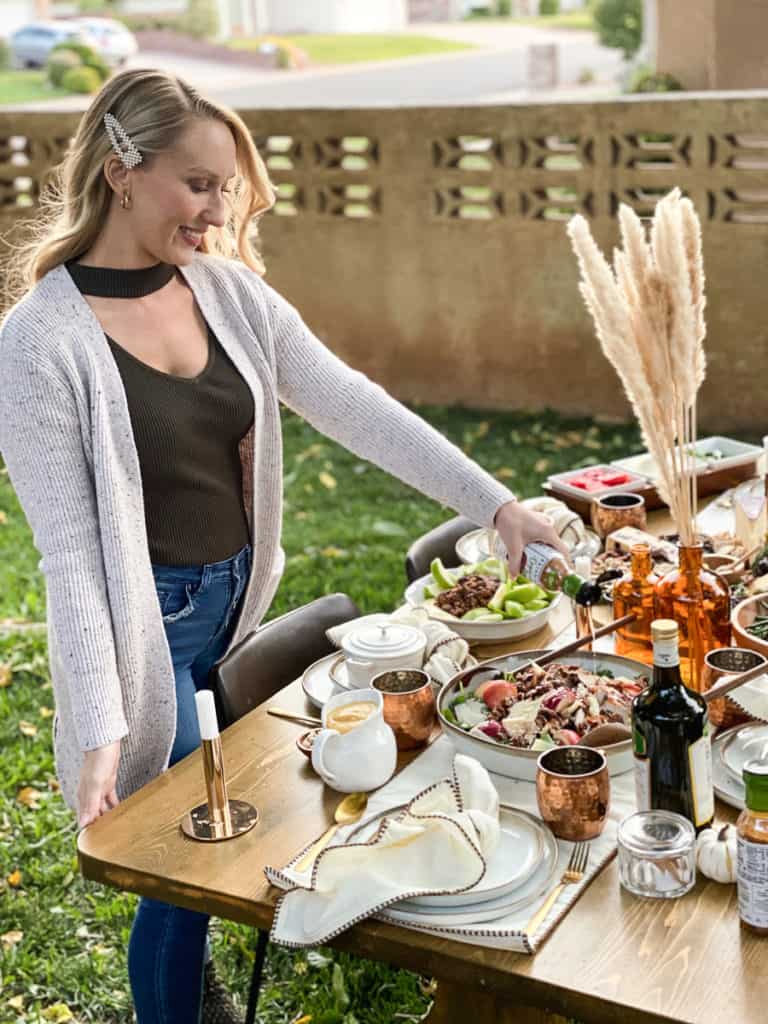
(537, 708)
(484, 592)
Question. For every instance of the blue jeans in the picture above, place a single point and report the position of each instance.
(166, 952)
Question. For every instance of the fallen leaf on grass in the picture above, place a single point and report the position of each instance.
(14, 879)
(29, 797)
(592, 443)
(27, 728)
(45, 712)
(53, 785)
(3, 518)
(541, 466)
(16, 1003)
(505, 473)
(10, 939)
(332, 552)
(6, 673)
(327, 480)
(59, 1013)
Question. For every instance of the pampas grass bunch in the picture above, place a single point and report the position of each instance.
(648, 309)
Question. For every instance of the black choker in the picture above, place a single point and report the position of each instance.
(112, 283)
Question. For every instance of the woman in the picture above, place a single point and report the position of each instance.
(140, 375)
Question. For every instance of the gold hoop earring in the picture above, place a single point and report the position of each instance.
(125, 200)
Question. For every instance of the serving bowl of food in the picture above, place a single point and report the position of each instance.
(482, 601)
(505, 718)
(749, 624)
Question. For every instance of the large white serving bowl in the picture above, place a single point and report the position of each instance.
(509, 629)
(521, 764)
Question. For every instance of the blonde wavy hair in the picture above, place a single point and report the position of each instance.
(155, 108)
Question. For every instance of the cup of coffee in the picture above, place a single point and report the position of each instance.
(409, 705)
(573, 791)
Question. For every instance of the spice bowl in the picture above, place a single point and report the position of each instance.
(743, 616)
(729, 567)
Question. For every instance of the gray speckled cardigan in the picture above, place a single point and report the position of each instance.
(66, 438)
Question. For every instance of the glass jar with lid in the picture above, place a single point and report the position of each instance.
(657, 854)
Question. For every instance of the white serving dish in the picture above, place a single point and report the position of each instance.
(559, 482)
(509, 629)
(385, 648)
(521, 764)
(734, 453)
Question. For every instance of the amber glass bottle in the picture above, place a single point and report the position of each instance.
(752, 855)
(699, 602)
(634, 595)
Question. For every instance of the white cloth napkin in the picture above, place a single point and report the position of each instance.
(446, 652)
(439, 843)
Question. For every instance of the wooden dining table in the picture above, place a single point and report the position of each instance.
(613, 958)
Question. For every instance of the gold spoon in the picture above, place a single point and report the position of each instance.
(350, 810)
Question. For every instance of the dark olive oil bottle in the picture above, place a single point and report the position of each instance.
(671, 738)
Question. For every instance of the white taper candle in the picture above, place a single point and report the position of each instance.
(206, 715)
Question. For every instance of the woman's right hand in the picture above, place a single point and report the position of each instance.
(96, 793)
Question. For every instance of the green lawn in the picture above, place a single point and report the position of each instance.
(350, 49)
(26, 86)
(568, 19)
(347, 526)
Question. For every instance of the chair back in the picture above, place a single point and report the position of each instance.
(275, 654)
(438, 543)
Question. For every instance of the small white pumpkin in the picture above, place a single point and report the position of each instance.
(716, 853)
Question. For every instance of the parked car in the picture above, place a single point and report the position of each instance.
(30, 45)
(111, 39)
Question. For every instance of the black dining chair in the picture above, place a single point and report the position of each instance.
(438, 543)
(265, 661)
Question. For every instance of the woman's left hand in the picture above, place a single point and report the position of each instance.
(518, 526)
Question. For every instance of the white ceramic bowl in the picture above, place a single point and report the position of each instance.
(521, 764)
(509, 629)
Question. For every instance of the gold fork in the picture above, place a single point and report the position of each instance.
(574, 872)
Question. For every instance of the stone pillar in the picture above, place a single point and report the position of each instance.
(543, 65)
(714, 44)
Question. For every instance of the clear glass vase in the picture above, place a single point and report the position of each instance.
(699, 602)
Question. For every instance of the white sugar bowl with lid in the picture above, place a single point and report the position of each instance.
(374, 649)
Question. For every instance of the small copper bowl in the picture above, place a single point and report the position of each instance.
(613, 511)
(305, 741)
(573, 791)
(723, 712)
(409, 705)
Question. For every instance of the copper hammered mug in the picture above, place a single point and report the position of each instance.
(573, 791)
(614, 511)
(409, 705)
(723, 712)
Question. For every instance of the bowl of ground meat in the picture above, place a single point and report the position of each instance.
(505, 712)
(458, 605)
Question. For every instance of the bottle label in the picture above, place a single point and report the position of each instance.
(537, 557)
(643, 783)
(752, 882)
(666, 653)
(700, 772)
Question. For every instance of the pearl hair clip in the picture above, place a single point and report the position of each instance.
(122, 143)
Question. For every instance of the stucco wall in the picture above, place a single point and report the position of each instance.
(337, 15)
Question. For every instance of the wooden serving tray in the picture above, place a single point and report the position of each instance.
(709, 482)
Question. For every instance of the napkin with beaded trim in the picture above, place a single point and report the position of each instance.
(439, 842)
(446, 652)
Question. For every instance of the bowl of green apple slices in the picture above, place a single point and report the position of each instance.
(482, 600)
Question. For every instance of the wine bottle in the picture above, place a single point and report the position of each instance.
(546, 566)
(671, 738)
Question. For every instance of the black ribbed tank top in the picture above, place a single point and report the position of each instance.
(187, 431)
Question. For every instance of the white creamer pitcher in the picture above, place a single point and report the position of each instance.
(363, 758)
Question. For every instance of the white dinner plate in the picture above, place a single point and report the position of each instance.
(727, 788)
(339, 673)
(508, 629)
(746, 743)
(317, 683)
(521, 842)
(539, 883)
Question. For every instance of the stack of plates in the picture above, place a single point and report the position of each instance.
(520, 871)
(730, 752)
(325, 678)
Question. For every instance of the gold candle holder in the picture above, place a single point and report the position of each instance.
(219, 818)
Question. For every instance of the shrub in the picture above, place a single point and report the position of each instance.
(201, 19)
(59, 63)
(88, 56)
(549, 7)
(5, 55)
(620, 24)
(504, 8)
(646, 80)
(82, 79)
